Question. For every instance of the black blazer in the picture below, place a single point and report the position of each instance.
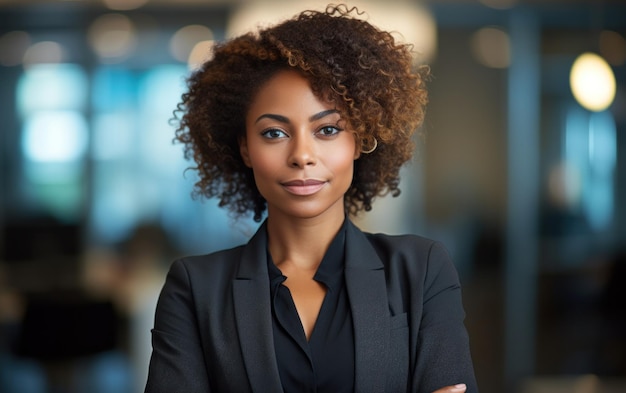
(213, 328)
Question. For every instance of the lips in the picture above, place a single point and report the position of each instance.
(303, 187)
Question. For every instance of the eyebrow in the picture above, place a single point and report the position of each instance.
(285, 120)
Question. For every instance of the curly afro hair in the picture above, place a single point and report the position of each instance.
(370, 78)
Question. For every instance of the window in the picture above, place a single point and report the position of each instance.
(54, 138)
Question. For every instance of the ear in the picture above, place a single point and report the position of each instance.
(243, 150)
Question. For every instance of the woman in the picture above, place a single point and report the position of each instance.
(308, 121)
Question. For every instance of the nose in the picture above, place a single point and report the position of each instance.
(303, 152)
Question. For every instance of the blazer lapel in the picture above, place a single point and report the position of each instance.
(367, 289)
(253, 315)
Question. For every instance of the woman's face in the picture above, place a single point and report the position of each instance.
(299, 149)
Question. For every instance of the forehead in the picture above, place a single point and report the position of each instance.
(287, 91)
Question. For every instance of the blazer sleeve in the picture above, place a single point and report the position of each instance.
(443, 357)
(177, 363)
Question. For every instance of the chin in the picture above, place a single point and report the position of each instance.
(311, 210)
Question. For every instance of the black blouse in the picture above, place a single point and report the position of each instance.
(325, 363)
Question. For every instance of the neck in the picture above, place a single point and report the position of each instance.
(301, 243)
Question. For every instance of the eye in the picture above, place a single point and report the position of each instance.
(328, 131)
(273, 133)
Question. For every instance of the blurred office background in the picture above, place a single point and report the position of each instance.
(524, 183)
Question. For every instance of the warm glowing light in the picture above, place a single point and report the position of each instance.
(45, 52)
(592, 82)
(407, 21)
(186, 38)
(112, 36)
(200, 53)
(491, 47)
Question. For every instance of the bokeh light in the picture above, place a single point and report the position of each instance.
(592, 82)
(51, 87)
(112, 37)
(55, 136)
(185, 39)
(491, 47)
(44, 52)
(200, 53)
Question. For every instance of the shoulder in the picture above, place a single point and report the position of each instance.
(407, 247)
(415, 258)
(397, 248)
(215, 260)
(222, 260)
(199, 270)
(401, 243)
(223, 266)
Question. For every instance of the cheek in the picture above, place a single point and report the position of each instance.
(254, 158)
(342, 166)
(262, 163)
(342, 159)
